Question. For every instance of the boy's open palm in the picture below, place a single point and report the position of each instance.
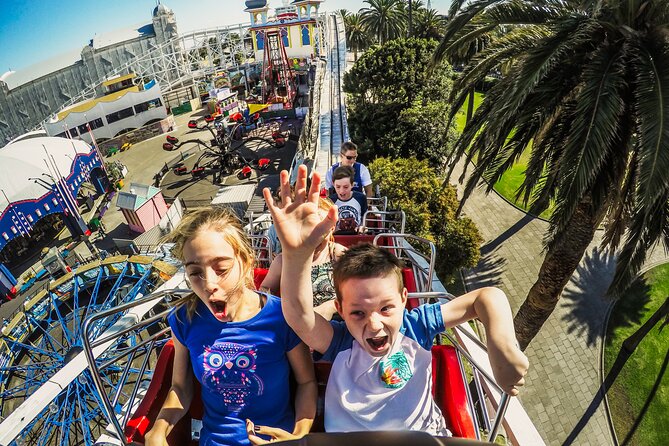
(298, 223)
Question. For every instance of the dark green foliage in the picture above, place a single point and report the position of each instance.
(430, 209)
(585, 89)
(422, 132)
(396, 105)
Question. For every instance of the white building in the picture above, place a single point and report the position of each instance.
(125, 107)
(30, 94)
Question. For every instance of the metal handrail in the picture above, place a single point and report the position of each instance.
(407, 252)
(124, 327)
(504, 401)
(387, 220)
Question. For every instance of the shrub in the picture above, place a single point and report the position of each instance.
(430, 208)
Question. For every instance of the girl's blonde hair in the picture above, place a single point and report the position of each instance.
(223, 220)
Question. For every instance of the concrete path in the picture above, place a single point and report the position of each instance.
(564, 375)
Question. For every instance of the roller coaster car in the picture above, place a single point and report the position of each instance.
(236, 117)
(449, 389)
(197, 172)
(168, 146)
(209, 118)
(192, 124)
(263, 163)
(172, 139)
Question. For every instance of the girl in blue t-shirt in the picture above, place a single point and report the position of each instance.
(235, 341)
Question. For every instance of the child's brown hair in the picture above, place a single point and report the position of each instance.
(366, 261)
(342, 172)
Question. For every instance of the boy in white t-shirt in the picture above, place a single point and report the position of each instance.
(381, 372)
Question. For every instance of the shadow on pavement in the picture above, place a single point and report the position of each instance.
(587, 303)
(488, 272)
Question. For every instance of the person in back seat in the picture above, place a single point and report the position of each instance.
(352, 204)
(234, 340)
(321, 270)
(362, 180)
(381, 376)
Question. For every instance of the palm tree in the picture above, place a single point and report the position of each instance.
(587, 91)
(429, 24)
(357, 37)
(383, 19)
(461, 48)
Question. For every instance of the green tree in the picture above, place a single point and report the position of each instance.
(386, 81)
(430, 208)
(383, 19)
(357, 38)
(421, 132)
(429, 24)
(587, 91)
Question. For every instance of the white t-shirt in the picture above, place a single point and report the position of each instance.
(389, 393)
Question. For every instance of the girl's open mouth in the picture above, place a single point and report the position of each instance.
(377, 343)
(220, 309)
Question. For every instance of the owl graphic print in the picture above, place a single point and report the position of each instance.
(230, 370)
(242, 368)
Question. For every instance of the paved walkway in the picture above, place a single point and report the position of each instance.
(564, 374)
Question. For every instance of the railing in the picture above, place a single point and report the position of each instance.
(130, 344)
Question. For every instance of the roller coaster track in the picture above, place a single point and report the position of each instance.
(333, 123)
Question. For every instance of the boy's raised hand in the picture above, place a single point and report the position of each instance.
(298, 223)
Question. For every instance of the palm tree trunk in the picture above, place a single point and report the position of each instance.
(410, 20)
(558, 266)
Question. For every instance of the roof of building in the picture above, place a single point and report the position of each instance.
(122, 35)
(15, 79)
(23, 160)
(138, 195)
(161, 9)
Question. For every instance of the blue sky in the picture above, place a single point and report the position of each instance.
(32, 31)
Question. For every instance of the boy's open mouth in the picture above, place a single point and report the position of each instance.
(377, 343)
(220, 309)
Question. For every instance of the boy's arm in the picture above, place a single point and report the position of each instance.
(491, 306)
(301, 229)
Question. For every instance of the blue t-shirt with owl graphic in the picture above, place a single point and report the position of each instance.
(243, 369)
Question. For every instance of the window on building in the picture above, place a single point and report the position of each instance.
(306, 37)
(96, 123)
(121, 114)
(284, 36)
(148, 105)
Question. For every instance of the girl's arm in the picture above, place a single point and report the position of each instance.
(326, 309)
(272, 281)
(178, 399)
(307, 390)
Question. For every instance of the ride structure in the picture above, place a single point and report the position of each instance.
(278, 83)
(221, 156)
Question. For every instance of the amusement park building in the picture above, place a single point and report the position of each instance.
(31, 94)
(40, 178)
